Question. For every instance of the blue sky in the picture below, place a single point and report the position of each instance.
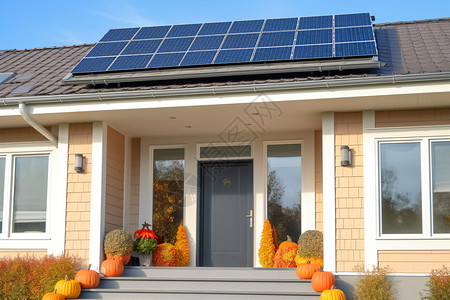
(47, 23)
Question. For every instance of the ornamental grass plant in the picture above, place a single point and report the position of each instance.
(374, 284)
(438, 285)
(30, 277)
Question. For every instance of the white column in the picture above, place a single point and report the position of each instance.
(127, 185)
(329, 192)
(98, 181)
(59, 197)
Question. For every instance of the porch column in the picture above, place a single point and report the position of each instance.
(329, 202)
(97, 221)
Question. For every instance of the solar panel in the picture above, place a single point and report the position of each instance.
(268, 54)
(316, 22)
(316, 37)
(246, 26)
(127, 62)
(121, 34)
(142, 47)
(280, 24)
(240, 41)
(198, 58)
(311, 37)
(107, 49)
(214, 28)
(271, 39)
(207, 42)
(234, 56)
(157, 32)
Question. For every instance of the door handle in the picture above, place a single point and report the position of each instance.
(250, 217)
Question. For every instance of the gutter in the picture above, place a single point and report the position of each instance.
(214, 90)
(41, 129)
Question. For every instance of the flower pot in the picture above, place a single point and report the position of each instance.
(145, 260)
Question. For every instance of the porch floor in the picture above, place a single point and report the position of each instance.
(202, 283)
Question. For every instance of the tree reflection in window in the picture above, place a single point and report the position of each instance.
(284, 189)
(168, 192)
(401, 192)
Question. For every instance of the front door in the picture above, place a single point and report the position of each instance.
(226, 214)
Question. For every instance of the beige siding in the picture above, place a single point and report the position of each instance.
(115, 163)
(79, 193)
(318, 179)
(412, 117)
(349, 193)
(417, 261)
(135, 179)
(27, 134)
(11, 253)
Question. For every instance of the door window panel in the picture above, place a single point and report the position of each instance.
(30, 194)
(284, 179)
(168, 192)
(401, 192)
(440, 158)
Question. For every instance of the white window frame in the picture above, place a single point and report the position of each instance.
(231, 144)
(10, 152)
(150, 182)
(308, 211)
(427, 201)
(373, 241)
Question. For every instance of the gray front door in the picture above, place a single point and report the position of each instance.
(226, 203)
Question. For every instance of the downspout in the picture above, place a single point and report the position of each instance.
(41, 129)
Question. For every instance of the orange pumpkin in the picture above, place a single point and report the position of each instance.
(306, 271)
(68, 288)
(123, 258)
(322, 281)
(111, 268)
(332, 294)
(88, 279)
(53, 296)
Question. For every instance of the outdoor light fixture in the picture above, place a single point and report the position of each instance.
(346, 156)
(79, 163)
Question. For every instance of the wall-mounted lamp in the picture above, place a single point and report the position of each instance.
(346, 156)
(79, 163)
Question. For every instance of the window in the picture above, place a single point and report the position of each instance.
(23, 193)
(168, 192)
(414, 187)
(284, 179)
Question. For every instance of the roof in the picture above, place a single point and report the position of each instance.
(414, 47)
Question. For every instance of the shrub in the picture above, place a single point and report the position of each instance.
(267, 247)
(374, 285)
(118, 242)
(30, 277)
(438, 284)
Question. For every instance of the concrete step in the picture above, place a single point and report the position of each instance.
(202, 283)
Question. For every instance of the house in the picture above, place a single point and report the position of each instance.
(268, 142)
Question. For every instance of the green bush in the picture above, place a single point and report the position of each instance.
(30, 277)
(374, 285)
(438, 284)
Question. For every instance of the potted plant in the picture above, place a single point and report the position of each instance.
(118, 245)
(144, 244)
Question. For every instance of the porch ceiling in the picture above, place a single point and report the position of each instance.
(302, 114)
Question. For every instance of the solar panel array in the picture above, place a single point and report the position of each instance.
(231, 42)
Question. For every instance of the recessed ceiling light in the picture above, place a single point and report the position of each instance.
(188, 126)
(172, 117)
(255, 113)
